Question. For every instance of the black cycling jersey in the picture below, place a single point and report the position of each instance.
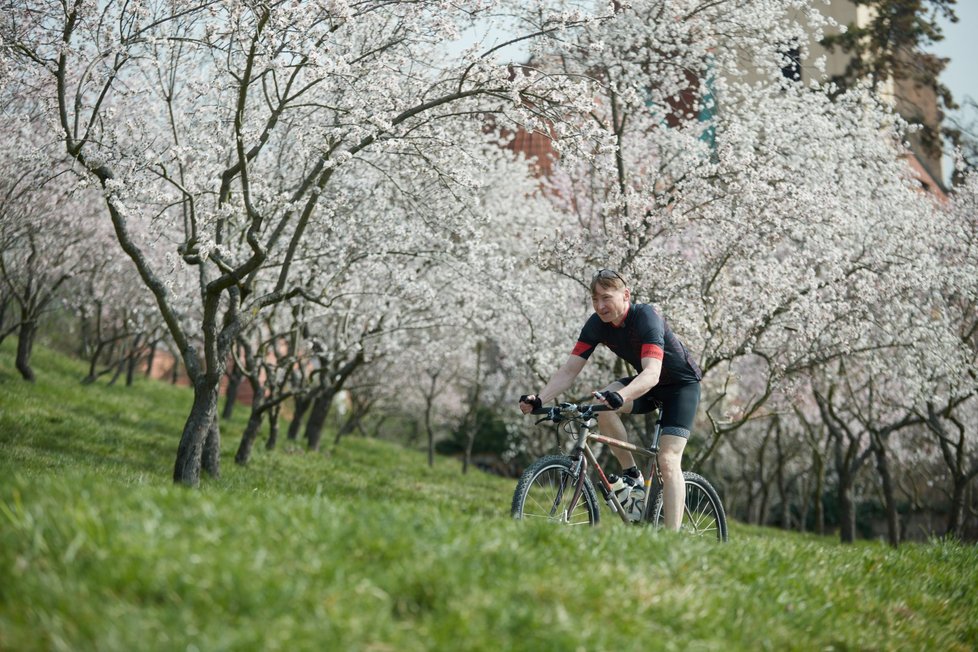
(642, 334)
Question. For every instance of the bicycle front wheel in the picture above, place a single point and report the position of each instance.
(547, 487)
(703, 514)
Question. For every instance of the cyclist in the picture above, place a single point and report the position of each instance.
(665, 374)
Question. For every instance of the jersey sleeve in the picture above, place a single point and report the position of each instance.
(652, 334)
(588, 340)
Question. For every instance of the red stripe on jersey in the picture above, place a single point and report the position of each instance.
(652, 351)
(580, 349)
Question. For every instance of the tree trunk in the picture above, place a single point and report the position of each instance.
(132, 363)
(429, 430)
(119, 366)
(151, 358)
(317, 418)
(4, 304)
(955, 517)
(322, 403)
(889, 499)
(847, 510)
(254, 419)
(469, 445)
(805, 508)
(302, 404)
(352, 422)
(953, 450)
(249, 436)
(231, 393)
(196, 431)
(819, 491)
(764, 507)
(273, 415)
(472, 418)
(25, 346)
(113, 345)
(848, 461)
(760, 497)
(782, 482)
(212, 446)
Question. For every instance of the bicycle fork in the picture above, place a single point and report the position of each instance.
(581, 455)
(578, 473)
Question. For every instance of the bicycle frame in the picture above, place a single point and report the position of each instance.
(547, 483)
(583, 455)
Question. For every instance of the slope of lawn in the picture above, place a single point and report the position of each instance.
(369, 549)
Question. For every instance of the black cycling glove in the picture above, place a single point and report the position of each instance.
(536, 402)
(613, 399)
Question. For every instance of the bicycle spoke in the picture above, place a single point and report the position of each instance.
(699, 517)
(703, 514)
(699, 522)
(547, 495)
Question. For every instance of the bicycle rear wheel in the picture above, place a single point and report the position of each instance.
(703, 514)
(545, 489)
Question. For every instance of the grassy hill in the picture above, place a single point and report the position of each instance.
(369, 549)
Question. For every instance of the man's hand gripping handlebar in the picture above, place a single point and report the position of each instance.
(533, 400)
(611, 399)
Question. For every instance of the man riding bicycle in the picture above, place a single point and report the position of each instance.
(666, 376)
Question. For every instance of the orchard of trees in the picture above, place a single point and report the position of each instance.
(325, 197)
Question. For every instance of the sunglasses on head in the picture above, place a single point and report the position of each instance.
(608, 274)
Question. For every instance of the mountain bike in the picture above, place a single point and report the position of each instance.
(558, 487)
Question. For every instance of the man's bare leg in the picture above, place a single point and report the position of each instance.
(673, 485)
(610, 425)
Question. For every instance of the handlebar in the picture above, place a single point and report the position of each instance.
(569, 411)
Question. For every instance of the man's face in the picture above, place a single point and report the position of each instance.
(611, 304)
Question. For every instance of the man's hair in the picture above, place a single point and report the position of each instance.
(607, 278)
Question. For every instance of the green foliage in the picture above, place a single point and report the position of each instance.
(491, 435)
(369, 549)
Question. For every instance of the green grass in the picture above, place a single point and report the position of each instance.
(369, 549)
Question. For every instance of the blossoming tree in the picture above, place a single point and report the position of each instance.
(222, 126)
(47, 236)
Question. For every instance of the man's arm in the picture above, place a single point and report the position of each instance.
(563, 379)
(558, 383)
(646, 380)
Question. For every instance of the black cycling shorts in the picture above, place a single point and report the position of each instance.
(679, 403)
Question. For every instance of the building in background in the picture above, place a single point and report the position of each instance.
(915, 101)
